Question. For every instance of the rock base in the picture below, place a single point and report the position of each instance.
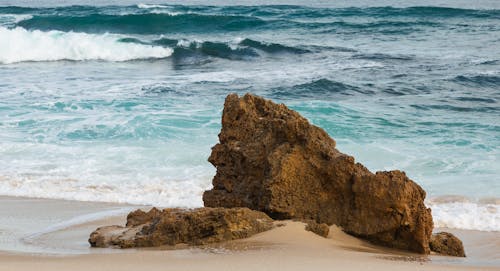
(170, 227)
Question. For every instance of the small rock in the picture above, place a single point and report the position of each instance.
(447, 244)
(170, 227)
(320, 229)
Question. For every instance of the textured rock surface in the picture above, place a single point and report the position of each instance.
(271, 159)
(320, 229)
(447, 244)
(170, 227)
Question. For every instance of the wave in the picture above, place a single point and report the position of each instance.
(479, 80)
(141, 23)
(282, 11)
(490, 62)
(415, 12)
(378, 56)
(185, 52)
(10, 20)
(273, 47)
(165, 42)
(380, 27)
(476, 99)
(148, 6)
(196, 52)
(75, 46)
(381, 12)
(462, 213)
(318, 89)
(56, 45)
(456, 108)
(155, 191)
(212, 49)
(382, 24)
(161, 19)
(17, 10)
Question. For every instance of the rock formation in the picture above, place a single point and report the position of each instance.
(447, 244)
(320, 229)
(271, 159)
(170, 227)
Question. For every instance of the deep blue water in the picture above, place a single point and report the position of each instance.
(121, 101)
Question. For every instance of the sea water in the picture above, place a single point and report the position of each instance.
(120, 101)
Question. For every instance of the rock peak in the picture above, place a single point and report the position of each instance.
(271, 159)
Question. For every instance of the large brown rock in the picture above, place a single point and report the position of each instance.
(170, 227)
(271, 159)
(447, 244)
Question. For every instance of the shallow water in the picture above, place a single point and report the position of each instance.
(122, 103)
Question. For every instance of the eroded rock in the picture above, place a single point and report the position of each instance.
(447, 244)
(320, 229)
(271, 159)
(170, 227)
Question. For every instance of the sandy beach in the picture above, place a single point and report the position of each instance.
(52, 235)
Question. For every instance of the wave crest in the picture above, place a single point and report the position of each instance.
(17, 45)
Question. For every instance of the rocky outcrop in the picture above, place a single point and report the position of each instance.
(271, 159)
(170, 227)
(447, 244)
(320, 229)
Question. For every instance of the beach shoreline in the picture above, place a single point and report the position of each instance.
(58, 240)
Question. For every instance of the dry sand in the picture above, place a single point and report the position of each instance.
(289, 247)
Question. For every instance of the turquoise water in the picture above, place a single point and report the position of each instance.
(121, 102)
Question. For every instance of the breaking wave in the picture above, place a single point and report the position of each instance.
(16, 45)
(463, 213)
(198, 51)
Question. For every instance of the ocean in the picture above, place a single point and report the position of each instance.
(120, 101)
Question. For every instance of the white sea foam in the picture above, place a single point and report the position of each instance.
(466, 215)
(148, 6)
(162, 174)
(161, 9)
(154, 191)
(20, 45)
(185, 42)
